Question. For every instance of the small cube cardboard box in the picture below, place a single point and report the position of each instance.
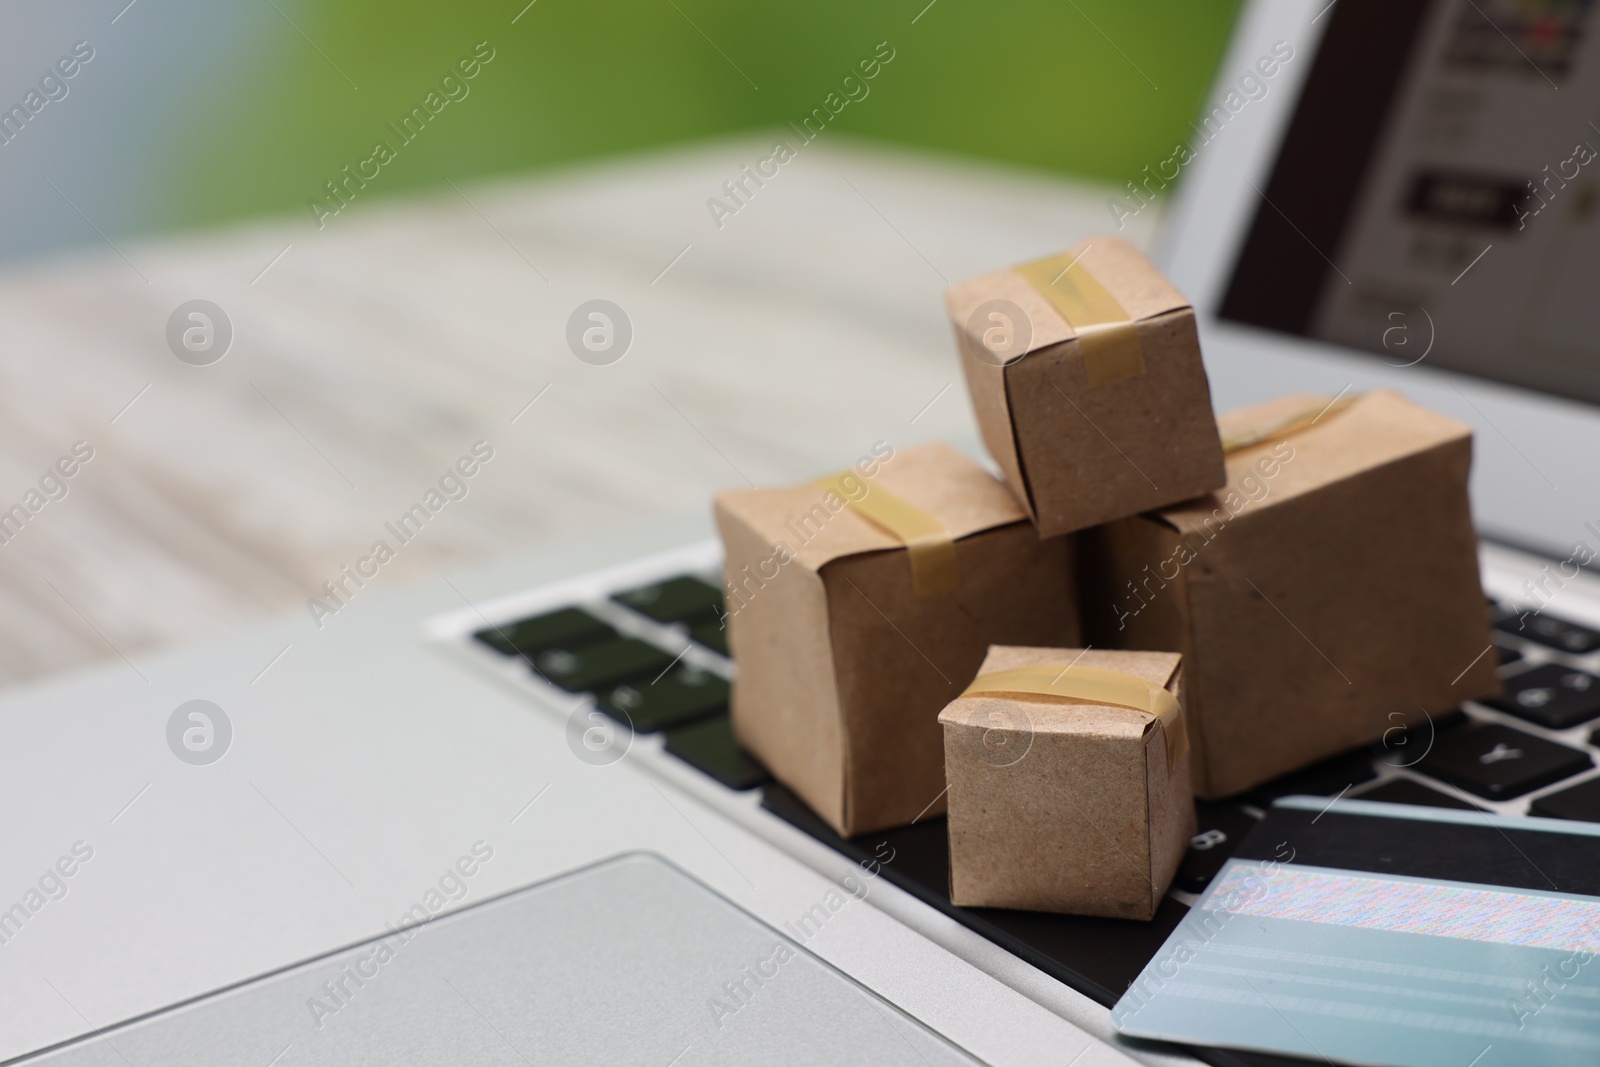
(850, 638)
(1085, 374)
(1329, 594)
(1066, 805)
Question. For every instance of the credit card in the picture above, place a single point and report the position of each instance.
(1367, 933)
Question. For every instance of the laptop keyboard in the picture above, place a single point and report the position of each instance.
(1558, 634)
(569, 627)
(1219, 825)
(683, 599)
(1408, 791)
(1466, 756)
(677, 695)
(661, 666)
(1551, 695)
(584, 668)
(709, 747)
(1580, 802)
(644, 682)
(1501, 762)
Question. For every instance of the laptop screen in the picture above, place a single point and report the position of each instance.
(1436, 196)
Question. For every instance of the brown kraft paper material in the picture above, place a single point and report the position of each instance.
(1328, 594)
(1074, 453)
(843, 668)
(1065, 806)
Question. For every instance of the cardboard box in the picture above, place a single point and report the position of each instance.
(1066, 805)
(844, 662)
(1328, 595)
(1089, 419)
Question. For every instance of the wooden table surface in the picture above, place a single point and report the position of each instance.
(369, 356)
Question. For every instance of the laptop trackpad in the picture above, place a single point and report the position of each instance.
(627, 962)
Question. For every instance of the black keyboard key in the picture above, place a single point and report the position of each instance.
(1404, 746)
(567, 628)
(683, 599)
(1551, 696)
(578, 670)
(654, 703)
(1581, 803)
(1220, 829)
(708, 746)
(1499, 762)
(1406, 791)
(1507, 656)
(714, 635)
(1554, 633)
(1324, 779)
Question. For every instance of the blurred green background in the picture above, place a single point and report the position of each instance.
(1093, 88)
(194, 112)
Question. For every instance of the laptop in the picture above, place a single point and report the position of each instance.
(502, 817)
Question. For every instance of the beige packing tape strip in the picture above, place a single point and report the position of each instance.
(928, 543)
(1096, 686)
(1107, 337)
(1300, 419)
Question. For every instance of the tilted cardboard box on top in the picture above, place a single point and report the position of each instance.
(1098, 417)
(1328, 594)
(843, 665)
(1065, 805)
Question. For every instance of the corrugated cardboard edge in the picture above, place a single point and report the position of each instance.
(1002, 657)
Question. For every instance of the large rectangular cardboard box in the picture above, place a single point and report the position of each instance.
(843, 664)
(1328, 594)
(1088, 420)
(1065, 805)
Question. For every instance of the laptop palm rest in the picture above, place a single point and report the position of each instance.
(628, 961)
